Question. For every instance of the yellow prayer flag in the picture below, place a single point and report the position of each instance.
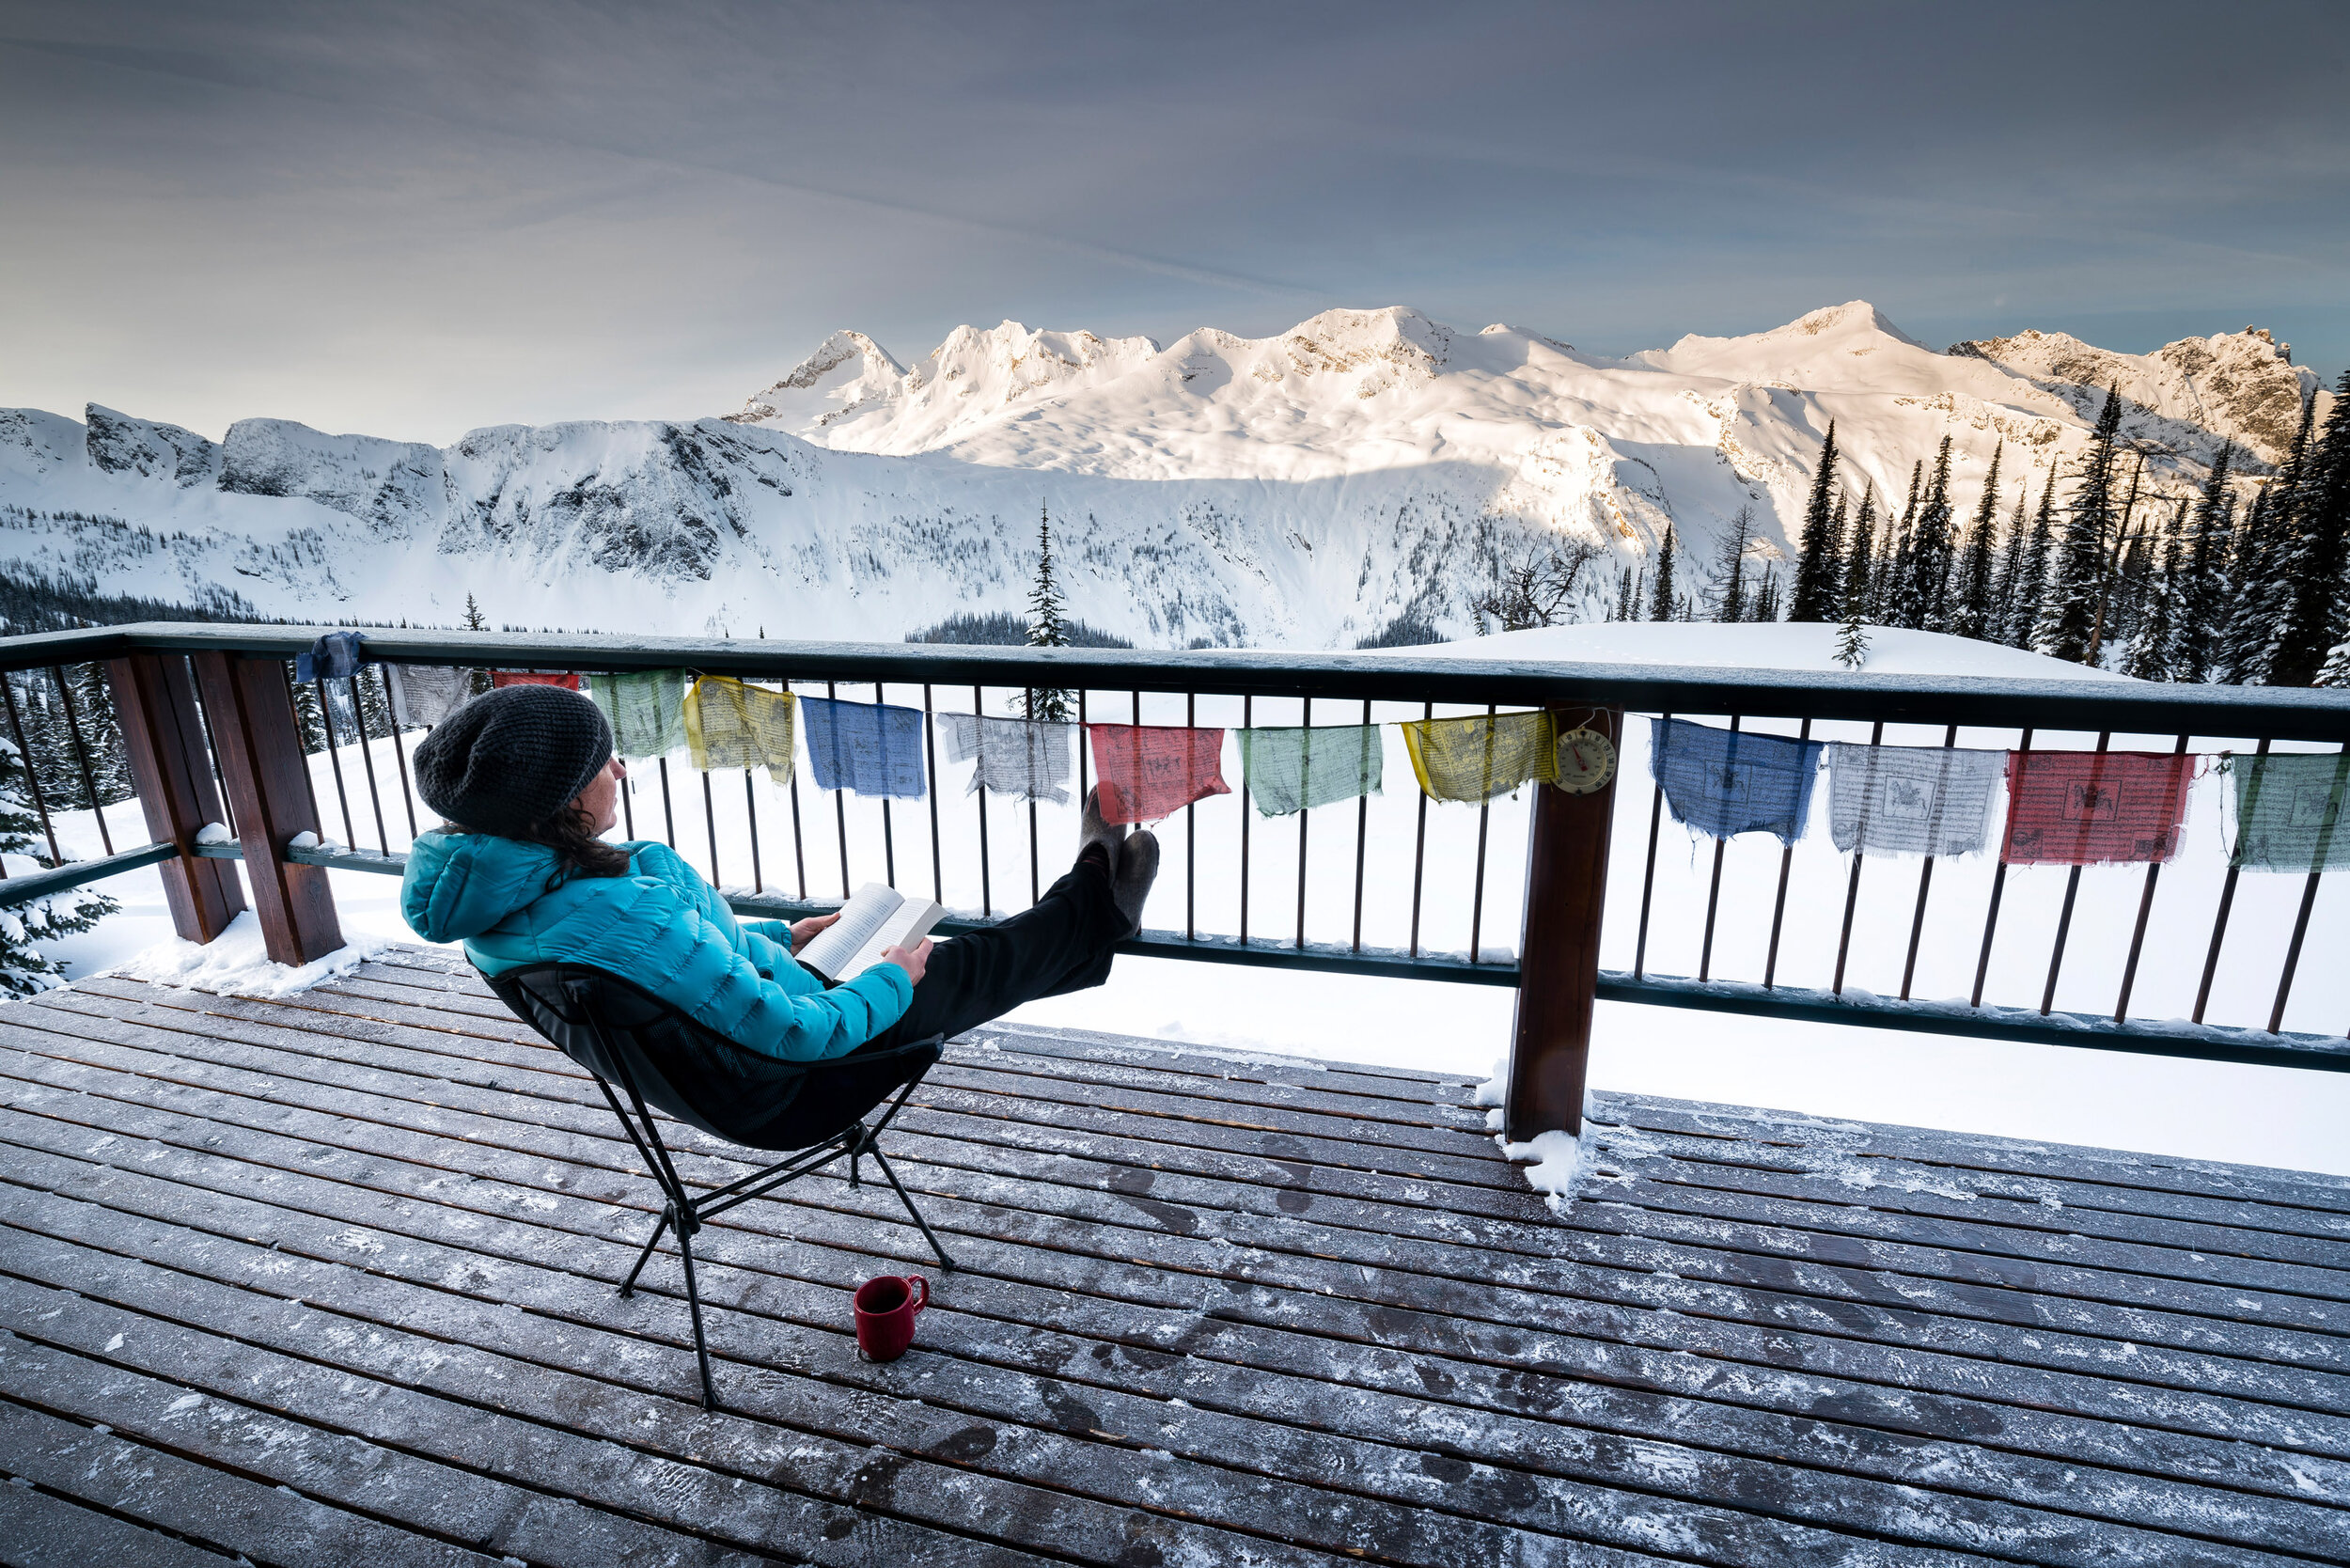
(731, 725)
(1476, 758)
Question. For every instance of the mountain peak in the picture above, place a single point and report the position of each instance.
(848, 373)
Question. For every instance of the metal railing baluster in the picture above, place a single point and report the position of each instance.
(334, 757)
(1648, 873)
(1191, 834)
(2064, 916)
(81, 755)
(889, 842)
(366, 760)
(668, 813)
(2137, 932)
(1991, 916)
(1304, 813)
(1778, 904)
(32, 779)
(930, 749)
(750, 818)
(1852, 889)
(1362, 841)
(987, 901)
(1248, 716)
(799, 842)
(2300, 926)
(1484, 818)
(839, 809)
(1419, 846)
(1925, 882)
(1714, 893)
(2219, 925)
(400, 754)
(709, 826)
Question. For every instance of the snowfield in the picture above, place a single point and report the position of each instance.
(1304, 489)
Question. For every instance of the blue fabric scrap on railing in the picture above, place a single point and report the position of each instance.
(1724, 782)
(869, 748)
(333, 657)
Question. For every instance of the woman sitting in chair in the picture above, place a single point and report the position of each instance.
(527, 781)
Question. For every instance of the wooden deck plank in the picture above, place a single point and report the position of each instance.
(41, 1530)
(1280, 1311)
(1637, 1282)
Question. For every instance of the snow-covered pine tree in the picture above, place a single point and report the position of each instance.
(1819, 567)
(475, 622)
(1932, 550)
(1730, 603)
(24, 969)
(2109, 568)
(1766, 598)
(1900, 600)
(1627, 587)
(2072, 629)
(2251, 625)
(1662, 605)
(2154, 654)
(1852, 643)
(2200, 611)
(2010, 573)
(2316, 552)
(2029, 606)
(1970, 613)
(1048, 626)
(309, 718)
(1861, 556)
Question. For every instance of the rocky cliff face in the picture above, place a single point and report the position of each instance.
(1306, 486)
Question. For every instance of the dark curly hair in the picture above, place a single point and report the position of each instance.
(570, 833)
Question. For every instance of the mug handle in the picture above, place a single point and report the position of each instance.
(924, 1299)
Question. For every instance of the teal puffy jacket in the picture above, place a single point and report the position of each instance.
(662, 927)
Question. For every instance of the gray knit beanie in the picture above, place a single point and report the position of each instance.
(509, 759)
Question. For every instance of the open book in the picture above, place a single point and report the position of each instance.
(876, 919)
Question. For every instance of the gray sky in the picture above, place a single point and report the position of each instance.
(414, 219)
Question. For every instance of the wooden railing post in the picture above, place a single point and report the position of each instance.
(1566, 891)
(259, 747)
(155, 702)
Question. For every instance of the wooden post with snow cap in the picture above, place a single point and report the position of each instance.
(1566, 892)
(164, 737)
(259, 747)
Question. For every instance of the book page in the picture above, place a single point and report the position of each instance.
(860, 918)
(905, 928)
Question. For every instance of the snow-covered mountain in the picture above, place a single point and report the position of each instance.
(1305, 488)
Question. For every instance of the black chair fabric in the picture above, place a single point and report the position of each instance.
(698, 1074)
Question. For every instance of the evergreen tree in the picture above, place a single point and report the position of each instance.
(1729, 605)
(310, 719)
(2154, 654)
(1931, 549)
(2072, 630)
(2109, 565)
(2316, 549)
(2200, 612)
(2252, 614)
(1859, 556)
(1627, 587)
(1899, 600)
(475, 620)
(478, 680)
(2030, 603)
(1766, 598)
(24, 969)
(1819, 567)
(1661, 601)
(109, 755)
(1047, 626)
(1970, 616)
(1852, 643)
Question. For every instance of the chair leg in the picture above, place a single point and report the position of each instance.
(628, 1286)
(694, 1307)
(944, 1261)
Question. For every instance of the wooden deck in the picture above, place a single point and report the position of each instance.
(329, 1280)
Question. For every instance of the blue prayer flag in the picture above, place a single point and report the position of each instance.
(1724, 782)
(333, 657)
(871, 749)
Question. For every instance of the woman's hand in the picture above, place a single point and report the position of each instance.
(911, 963)
(803, 929)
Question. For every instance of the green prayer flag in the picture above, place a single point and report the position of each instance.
(1289, 770)
(2289, 812)
(647, 710)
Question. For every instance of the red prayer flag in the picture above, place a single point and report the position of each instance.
(569, 679)
(1149, 771)
(2094, 807)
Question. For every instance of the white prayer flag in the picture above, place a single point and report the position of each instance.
(1911, 800)
(1024, 758)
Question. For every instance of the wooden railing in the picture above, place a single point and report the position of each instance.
(209, 725)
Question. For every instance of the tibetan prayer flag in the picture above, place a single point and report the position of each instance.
(731, 725)
(1724, 782)
(2289, 812)
(1149, 771)
(647, 710)
(568, 680)
(1476, 758)
(1911, 800)
(424, 695)
(2094, 807)
(1289, 770)
(1023, 759)
(333, 657)
(870, 748)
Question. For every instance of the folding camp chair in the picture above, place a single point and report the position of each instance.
(663, 1060)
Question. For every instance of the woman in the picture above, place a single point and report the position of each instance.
(528, 782)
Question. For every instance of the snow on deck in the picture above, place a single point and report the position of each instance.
(328, 1277)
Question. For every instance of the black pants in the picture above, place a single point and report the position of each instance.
(1062, 945)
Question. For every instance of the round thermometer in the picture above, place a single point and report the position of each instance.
(1587, 760)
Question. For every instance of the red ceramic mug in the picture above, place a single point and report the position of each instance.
(886, 1305)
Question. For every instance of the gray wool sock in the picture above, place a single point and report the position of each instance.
(1137, 868)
